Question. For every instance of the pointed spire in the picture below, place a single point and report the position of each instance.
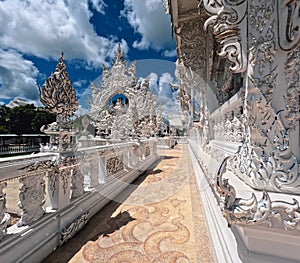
(119, 54)
(57, 94)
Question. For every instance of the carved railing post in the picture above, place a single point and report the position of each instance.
(4, 217)
(94, 171)
(133, 156)
(77, 181)
(32, 198)
(59, 97)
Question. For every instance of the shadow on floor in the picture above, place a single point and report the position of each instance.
(101, 223)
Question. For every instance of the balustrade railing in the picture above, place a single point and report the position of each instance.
(226, 121)
(18, 149)
(50, 182)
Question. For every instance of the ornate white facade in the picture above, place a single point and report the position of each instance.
(247, 55)
(122, 106)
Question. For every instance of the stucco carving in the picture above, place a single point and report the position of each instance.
(4, 217)
(265, 160)
(59, 97)
(32, 198)
(279, 214)
(192, 45)
(288, 24)
(123, 106)
(292, 70)
(226, 20)
(114, 164)
(57, 93)
(70, 230)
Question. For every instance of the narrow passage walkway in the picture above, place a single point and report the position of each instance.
(157, 219)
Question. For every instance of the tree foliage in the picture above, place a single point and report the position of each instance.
(25, 119)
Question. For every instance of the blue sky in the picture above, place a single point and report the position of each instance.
(34, 33)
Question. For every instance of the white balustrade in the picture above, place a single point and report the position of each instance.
(64, 186)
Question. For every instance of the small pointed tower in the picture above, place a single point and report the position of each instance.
(59, 97)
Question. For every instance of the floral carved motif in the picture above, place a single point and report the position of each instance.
(114, 164)
(292, 98)
(70, 230)
(193, 44)
(32, 198)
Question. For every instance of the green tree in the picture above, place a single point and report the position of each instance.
(20, 119)
(24, 119)
(41, 118)
(4, 119)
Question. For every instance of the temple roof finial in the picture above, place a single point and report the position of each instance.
(119, 54)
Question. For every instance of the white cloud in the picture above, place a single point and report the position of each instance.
(150, 21)
(17, 76)
(162, 88)
(170, 53)
(99, 5)
(44, 28)
(81, 111)
(79, 83)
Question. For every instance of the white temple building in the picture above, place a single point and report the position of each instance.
(242, 57)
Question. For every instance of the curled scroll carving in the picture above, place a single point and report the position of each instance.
(279, 214)
(225, 19)
(289, 24)
(70, 230)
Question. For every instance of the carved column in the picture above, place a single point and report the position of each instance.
(4, 217)
(32, 198)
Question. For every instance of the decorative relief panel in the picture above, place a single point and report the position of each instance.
(114, 164)
(77, 182)
(193, 45)
(265, 160)
(147, 151)
(32, 198)
(292, 97)
(70, 230)
(4, 217)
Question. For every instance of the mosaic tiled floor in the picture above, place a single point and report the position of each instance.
(159, 220)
